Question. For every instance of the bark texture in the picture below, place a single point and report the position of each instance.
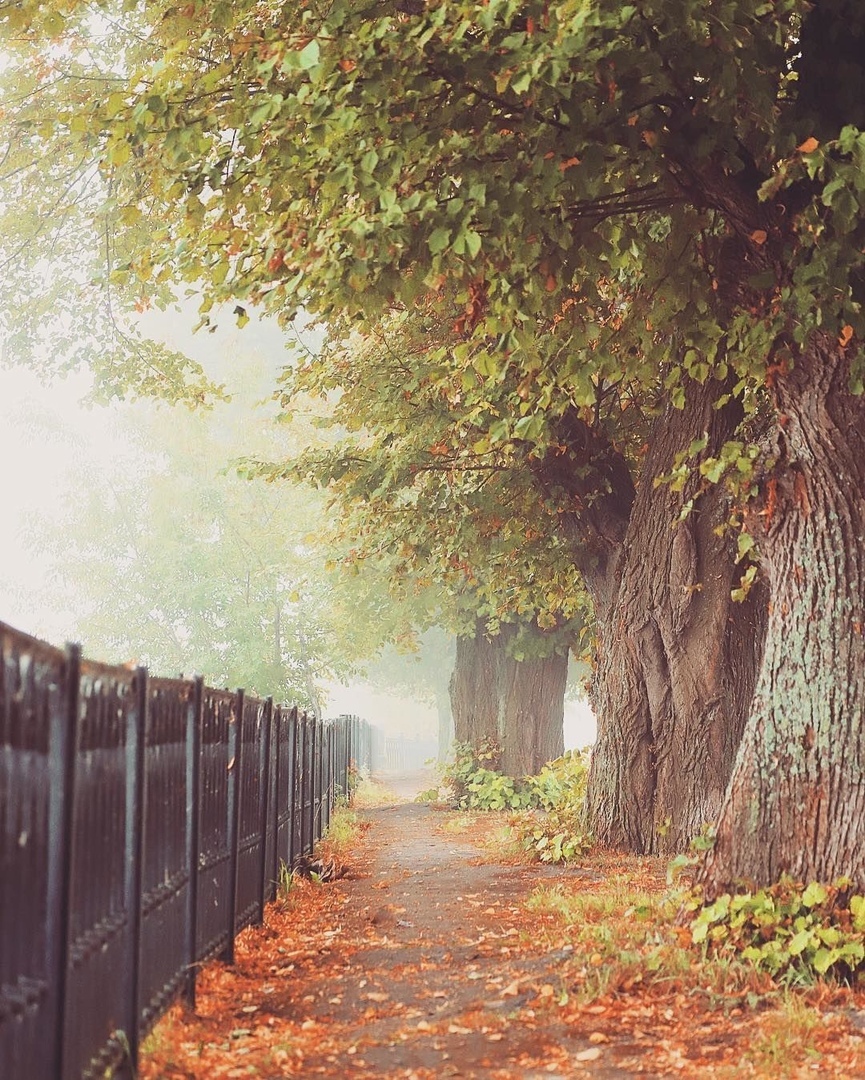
(677, 659)
(796, 801)
(519, 704)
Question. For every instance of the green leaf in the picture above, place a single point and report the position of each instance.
(439, 240)
(799, 942)
(857, 910)
(824, 959)
(310, 55)
(472, 242)
(814, 894)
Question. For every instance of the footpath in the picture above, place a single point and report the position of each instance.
(424, 962)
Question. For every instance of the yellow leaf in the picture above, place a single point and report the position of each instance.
(808, 146)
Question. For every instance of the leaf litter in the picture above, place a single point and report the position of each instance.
(442, 953)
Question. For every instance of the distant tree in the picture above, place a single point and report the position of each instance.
(173, 559)
(421, 674)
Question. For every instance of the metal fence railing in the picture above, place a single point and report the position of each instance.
(143, 823)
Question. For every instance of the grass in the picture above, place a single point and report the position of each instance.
(785, 1036)
(623, 935)
(370, 793)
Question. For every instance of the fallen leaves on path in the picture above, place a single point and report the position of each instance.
(480, 966)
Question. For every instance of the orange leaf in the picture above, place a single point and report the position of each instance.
(567, 163)
(808, 146)
(348, 65)
(845, 335)
(759, 236)
(551, 284)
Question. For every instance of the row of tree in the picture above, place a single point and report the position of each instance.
(592, 277)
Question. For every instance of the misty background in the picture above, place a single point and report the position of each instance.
(95, 502)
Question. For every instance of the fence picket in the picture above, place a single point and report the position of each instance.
(142, 913)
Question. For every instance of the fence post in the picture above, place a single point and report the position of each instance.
(292, 784)
(316, 780)
(349, 750)
(303, 785)
(194, 719)
(264, 765)
(62, 758)
(136, 734)
(275, 753)
(235, 763)
(325, 769)
(313, 732)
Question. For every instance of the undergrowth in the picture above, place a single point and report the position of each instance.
(796, 934)
(547, 818)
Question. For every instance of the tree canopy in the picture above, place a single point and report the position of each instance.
(623, 213)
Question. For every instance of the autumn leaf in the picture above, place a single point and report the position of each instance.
(759, 236)
(808, 146)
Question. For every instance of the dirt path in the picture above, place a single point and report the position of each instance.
(424, 963)
(439, 960)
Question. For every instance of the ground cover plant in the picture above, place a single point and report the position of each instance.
(549, 819)
(796, 932)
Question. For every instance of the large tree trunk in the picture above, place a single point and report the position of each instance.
(533, 713)
(519, 704)
(796, 801)
(474, 687)
(677, 659)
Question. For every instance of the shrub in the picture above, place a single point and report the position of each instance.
(468, 760)
(793, 931)
(551, 802)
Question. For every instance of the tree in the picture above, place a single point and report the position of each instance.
(664, 196)
(413, 493)
(427, 475)
(420, 673)
(502, 693)
(172, 559)
(664, 819)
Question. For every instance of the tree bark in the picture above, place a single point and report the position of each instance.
(677, 659)
(796, 800)
(474, 688)
(532, 706)
(518, 704)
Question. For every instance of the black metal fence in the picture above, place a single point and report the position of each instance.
(143, 823)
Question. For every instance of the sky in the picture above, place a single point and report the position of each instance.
(44, 434)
